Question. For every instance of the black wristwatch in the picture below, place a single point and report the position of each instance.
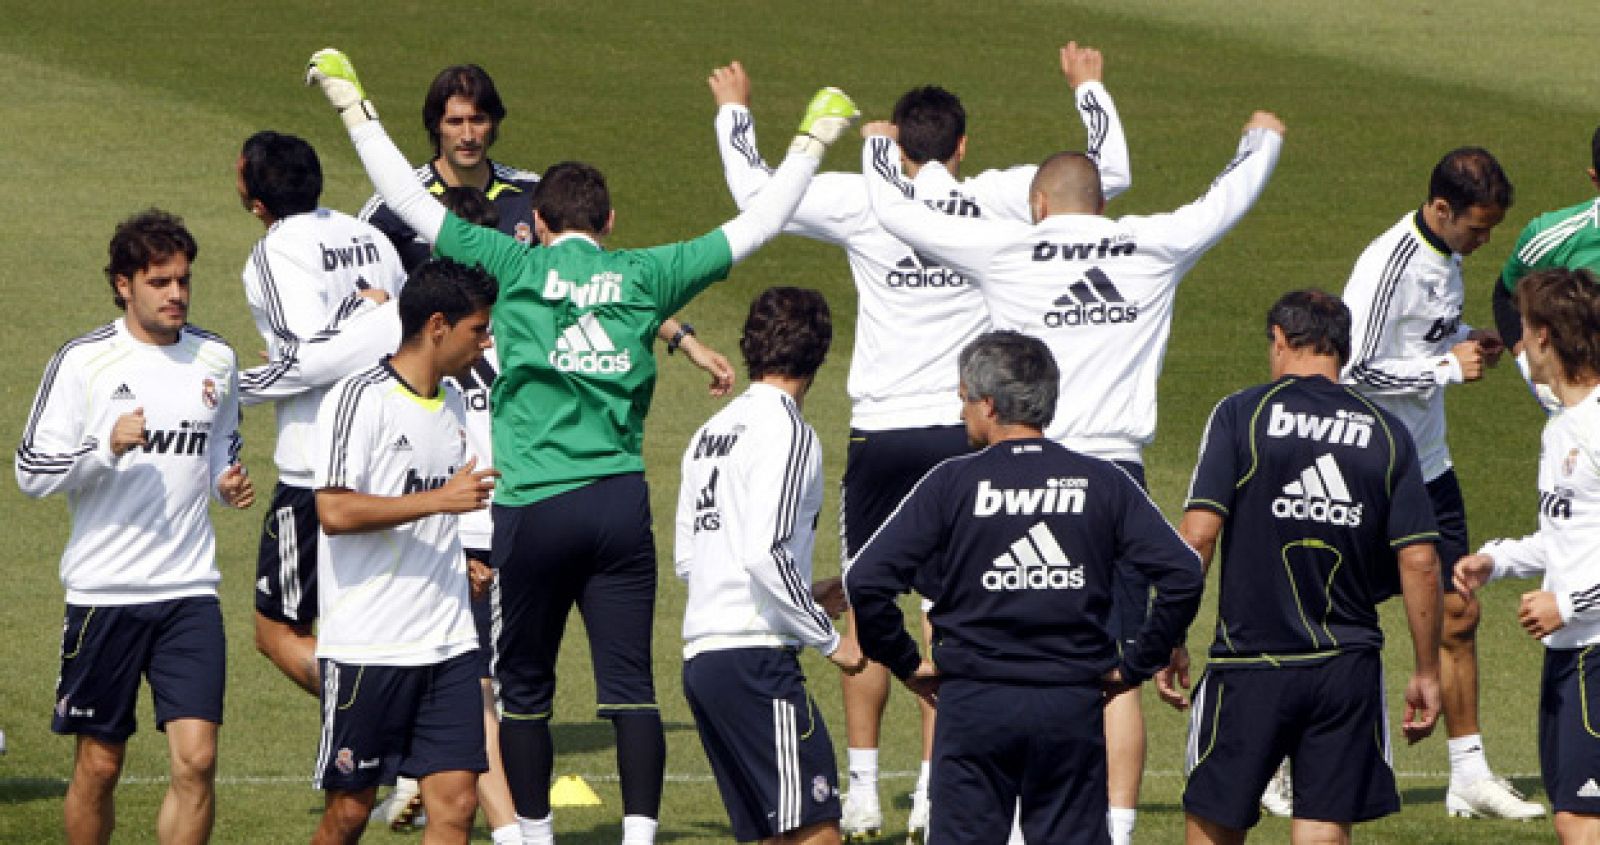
(684, 330)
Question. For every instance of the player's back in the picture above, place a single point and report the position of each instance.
(1568, 237)
(510, 190)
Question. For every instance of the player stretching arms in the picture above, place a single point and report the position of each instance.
(571, 514)
(1561, 320)
(136, 422)
(1405, 296)
(913, 317)
(746, 524)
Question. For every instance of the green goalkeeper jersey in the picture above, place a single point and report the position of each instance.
(1569, 238)
(574, 326)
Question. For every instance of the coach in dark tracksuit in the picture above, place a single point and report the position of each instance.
(1016, 546)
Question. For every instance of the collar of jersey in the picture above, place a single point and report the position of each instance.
(1428, 235)
(934, 174)
(409, 392)
(758, 387)
(496, 186)
(571, 236)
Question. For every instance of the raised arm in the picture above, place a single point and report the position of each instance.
(1191, 230)
(964, 243)
(347, 344)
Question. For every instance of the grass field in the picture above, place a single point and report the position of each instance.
(114, 107)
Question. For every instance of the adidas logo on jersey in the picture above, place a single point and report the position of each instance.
(1590, 789)
(123, 392)
(908, 273)
(1035, 562)
(1059, 495)
(1091, 301)
(263, 586)
(402, 445)
(361, 252)
(706, 516)
(1319, 496)
(1345, 428)
(601, 289)
(1557, 505)
(1047, 251)
(586, 348)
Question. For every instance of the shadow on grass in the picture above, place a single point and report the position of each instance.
(23, 790)
(585, 737)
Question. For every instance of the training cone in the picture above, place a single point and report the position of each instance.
(572, 791)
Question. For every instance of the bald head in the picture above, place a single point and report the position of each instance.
(1067, 183)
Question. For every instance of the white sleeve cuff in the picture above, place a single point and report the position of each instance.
(833, 644)
(1448, 369)
(1564, 604)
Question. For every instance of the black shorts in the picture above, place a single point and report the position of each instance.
(380, 721)
(179, 645)
(1130, 591)
(1450, 512)
(1569, 729)
(591, 547)
(765, 738)
(483, 617)
(286, 562)
(881, 467)
(997, 744)
(1328, 718)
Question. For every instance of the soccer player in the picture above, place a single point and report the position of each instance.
(397, 646)
(1409, 343)
(299, 277)
(1560, 315)
(137, 423)
(913, 317)
(1016, 546)
(747, 520)
(1318, 497)
(571, 513)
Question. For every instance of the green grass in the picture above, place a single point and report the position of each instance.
(113, 107)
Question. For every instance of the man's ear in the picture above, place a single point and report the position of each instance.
(437, 325)
(611, 223)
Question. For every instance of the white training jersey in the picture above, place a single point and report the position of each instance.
(1098, 291)
(298, 280)
(1405, 296)
(140, 529)
(395, 597)
(1567, 544)
(477, 527)
(747, 521)
(913, 315)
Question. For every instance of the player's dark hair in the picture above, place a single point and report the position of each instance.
(572, 197)
(468, 81)
(141, 240)
(282, 172)
(787, 333)
(1312, 320)
(1470, 176)
(1594, 150)
(442, 286)
(1567, 302)
(472, 205)
(1016, 372)
(930, 122)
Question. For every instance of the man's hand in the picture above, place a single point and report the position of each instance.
(848, 656)
(128, 432)
(377, 295)
(1469, 358)
(1539, 614)
(1081, 64)
(880, 129)
(1422, 707)
(467, 490)
(1112, 684)
(712, 361)
(479, 578)
(1490, 346)
(925, 682)
(235, 487)
(332, 71)
(1472, 572)
(730, 85)
(829, 592)
(1265, 120)
(1174, 679)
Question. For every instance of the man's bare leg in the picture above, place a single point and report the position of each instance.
(1125, 752)
(451, 799)
(344, 816)
(865, 695)
(494, 796)
(89, 811)
(821, 833)
(1198, 831)
(1313, 832)
(190, 806)
(293, 649)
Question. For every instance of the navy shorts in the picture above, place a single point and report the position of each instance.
(591, 547)
(483, 613)
(881, 467)
(1450, 512)
(1328, 718)
(286, 562)
(380, 721)
(178, 645)
(1569, 729)
(997, 744)
(766, 741)
(1130, 590)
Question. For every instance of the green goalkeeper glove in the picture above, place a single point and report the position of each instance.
(831, 112)
(331, 71)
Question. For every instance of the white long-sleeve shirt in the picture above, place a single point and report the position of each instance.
(140, 527)
(913, 316)
(1567, 545)
(297, 281)
(1098, 291)
(1405, 296)
(748, 501)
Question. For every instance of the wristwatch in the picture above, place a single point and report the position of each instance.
(684, 330)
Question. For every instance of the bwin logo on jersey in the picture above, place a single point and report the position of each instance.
(1346, 428)
(1059, 495)
(1035, 562)
(189, 439)
(1319, 496)
(1106, 248)
(361, 252)
(955, 205)
(1442, 328)
(416, 482)
(929, 274)
(601, 289)
(1557, 505)
(586, 348)
(1100, 306)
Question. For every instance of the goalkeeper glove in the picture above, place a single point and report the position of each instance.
(831, 112)
(331, 71)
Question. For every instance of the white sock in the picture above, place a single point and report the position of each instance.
(922, 777)
(638, 830)
(507, 834)
(1120, 821)
(537, 831)
(1467, 760)
(1016, 826)
(864, 773)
